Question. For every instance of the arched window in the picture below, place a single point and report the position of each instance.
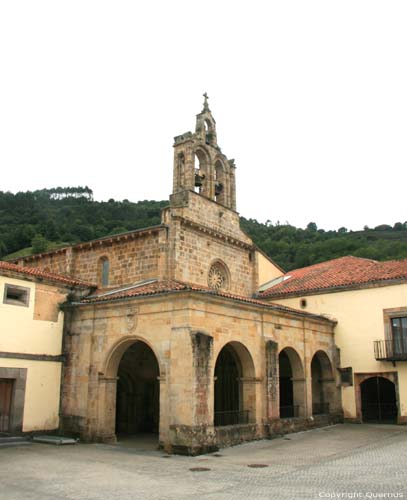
(103, 272)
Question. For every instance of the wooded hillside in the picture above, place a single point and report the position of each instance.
(40, 220)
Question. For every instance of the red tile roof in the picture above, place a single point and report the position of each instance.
(37, 273)
(339, 273)
(156, 287)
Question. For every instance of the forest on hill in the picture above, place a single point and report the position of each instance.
(36, 221)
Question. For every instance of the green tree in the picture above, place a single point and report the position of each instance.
(39, 244)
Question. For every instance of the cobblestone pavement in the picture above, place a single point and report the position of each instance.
(342, 461)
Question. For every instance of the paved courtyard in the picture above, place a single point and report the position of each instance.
(342, 461)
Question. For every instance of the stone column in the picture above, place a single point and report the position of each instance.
(300, 393)
(272, 384)
(106, 431)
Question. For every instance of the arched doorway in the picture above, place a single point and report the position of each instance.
(138, 392)
(378, 397)
(234, 401)
(323, 384)
(291, 378)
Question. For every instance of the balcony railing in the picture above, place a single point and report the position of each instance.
(234, 417)
(390, 350)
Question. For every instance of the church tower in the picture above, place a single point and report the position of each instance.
(206, 245)
(200, 165)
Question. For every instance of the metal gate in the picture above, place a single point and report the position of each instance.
(6, 392)
(378, 400)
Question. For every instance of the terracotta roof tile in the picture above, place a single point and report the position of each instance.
(38, 273)
(156, 287)
(337, 273)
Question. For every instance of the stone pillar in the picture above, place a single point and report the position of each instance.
(201, 358)
(328, 393)
(106, 431)
(300, 396)
(272, 385)
(249, 386)
(232, 185)
(191, 430)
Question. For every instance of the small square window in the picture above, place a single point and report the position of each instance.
(346, 376)
(16, 295)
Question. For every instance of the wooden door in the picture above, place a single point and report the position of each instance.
(6, 391)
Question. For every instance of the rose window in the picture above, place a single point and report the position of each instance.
(217, 277)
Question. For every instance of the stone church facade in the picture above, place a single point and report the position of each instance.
(173, 340)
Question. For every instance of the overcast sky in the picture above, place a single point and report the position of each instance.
(310, 98)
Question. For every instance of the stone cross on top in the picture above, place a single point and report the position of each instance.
(206, 106)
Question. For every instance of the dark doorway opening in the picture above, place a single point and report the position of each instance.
(287, 409)
(138, 392)
(379, 404)
(6, 392)
(228, 390)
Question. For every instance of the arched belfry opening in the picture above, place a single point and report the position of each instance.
(200, 165)
(234, 395)
(138, 392)
(291, 378)
(221, 183)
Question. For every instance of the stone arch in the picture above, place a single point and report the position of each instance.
(234, 391)
(116, 351)
(292, 383)
(203, 169)
(323, 384)
(129, 399)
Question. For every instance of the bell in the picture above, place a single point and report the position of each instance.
(218, 188)
(198, 180)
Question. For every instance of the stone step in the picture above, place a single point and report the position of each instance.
(6, 441)
(58, 440)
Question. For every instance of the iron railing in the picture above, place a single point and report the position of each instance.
(289, 411)
(390, 350)
(234, 417)
(320, 409)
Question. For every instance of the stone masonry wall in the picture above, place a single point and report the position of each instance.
(198, 209)
(202, 232)
(194, 252)
(131, 259)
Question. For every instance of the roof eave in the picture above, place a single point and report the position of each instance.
(335, 289)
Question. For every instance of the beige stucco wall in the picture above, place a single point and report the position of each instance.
(24, 331)
(20, 332)
(41, 405)
(360, 322)
(267, 270)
